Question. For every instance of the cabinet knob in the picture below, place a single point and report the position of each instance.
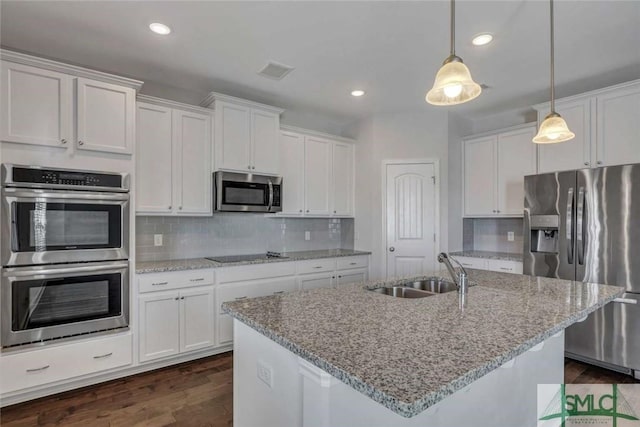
(391, 249)
(253, 167)
(300, 210)
(307, 210)
(180, 207)
(599, 162)
(586, 163)
(63, 141)
(80, 142)
(170, 206)
(176, 298)
(249, 167)
(334, 212)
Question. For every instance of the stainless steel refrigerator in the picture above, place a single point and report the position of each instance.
(584, 225)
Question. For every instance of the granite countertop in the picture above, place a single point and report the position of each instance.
(408, 354)
(505, 256)
(198, 263)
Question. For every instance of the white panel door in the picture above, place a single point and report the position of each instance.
(316, 281)
(618, 127)
(197, 319)
(411, 219)
(342, 177)
(480, 176)
(572, 154)
(265, 133)
(192, 162)
(292, 171)
(154, 178)
(317, 167)
(346, 277)
(36, 106)
(233, 137)
(159, 325)
(106, 116)
(516, 159)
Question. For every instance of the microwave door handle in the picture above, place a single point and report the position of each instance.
(270, 196)
(569, 225)
(580, 225)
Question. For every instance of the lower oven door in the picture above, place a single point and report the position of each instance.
(49, 302)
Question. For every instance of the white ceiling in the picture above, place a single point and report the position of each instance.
(390, 49)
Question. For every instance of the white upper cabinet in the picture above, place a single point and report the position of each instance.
(317, 182)
(292, 169)
(154, 177)
(173, 158)
(247, 137)
(105, 117)
(480, 176)
(494, 169)
(49, 103)
(36, 106)
(607, 127)
(618, 126)
(572, 154)
(342, 179)
(516, 159)
(192, 162)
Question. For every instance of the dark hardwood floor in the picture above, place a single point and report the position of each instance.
(198, 394)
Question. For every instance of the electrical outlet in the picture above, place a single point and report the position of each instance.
(265, 374)
(157, 239)
(307, 235)
(511, 236)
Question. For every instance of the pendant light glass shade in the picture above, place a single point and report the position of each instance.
(453, 84)
(553, 130)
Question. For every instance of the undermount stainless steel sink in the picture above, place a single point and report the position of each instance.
(418, 288)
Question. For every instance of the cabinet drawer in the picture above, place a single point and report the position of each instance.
(316, 265)
(252, 272)
(347, 263)
(174, 280)
(514, 267)
(56, 363)
(477, 263)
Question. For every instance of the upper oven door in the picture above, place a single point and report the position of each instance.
(235, 192)
(48, 226)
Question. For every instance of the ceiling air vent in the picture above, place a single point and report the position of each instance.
(275, 71)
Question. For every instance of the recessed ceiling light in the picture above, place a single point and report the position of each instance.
(482, 39)
(357, 92)
(159, 28)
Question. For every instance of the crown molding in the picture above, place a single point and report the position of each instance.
(74, 70)
(173, 104)
(210, 100)
(294, 129)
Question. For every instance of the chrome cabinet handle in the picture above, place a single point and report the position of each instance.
(199, 279)
(569, 225)
(506, 269)
(353, 263)
(38, 369)
(80, 142)
(102, 356)
(278, 292)
(63, 141)
(239, 298)
(392, 249)
(626, 300)
(318, 266)
(160, 284)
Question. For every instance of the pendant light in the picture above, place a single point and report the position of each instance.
(453, 84)
(553, 128)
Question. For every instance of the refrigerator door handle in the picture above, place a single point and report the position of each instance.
(569, 225)
(580, 226)
(626, 300)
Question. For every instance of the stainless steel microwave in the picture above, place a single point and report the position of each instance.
(246, 192)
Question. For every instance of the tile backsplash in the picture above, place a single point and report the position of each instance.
(236, 234)
(490, 234)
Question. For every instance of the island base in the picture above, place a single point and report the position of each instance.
(274, 387)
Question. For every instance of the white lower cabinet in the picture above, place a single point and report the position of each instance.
(25, 370)
(345, 277)
(317, 280)
(176, 322)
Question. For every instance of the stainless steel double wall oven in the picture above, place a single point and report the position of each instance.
(64, 246)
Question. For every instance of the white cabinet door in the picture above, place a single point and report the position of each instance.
(342, 188)
(292, 170)
(197, 319)
(36, 106)
(516, 159)
(233, 137)
(352, 276)
(154, 178)
(480, 176)
(159, 325)
(192, 162)
(618, 127)
(572, 154)
(317, 167)
(265, 134)
(106, 117)
(315, 281)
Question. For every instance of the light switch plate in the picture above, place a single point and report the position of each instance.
(265, 374)
(307, 235)
(157, 239)
(511, 236)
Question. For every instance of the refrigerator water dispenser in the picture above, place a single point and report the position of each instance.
(545, 233)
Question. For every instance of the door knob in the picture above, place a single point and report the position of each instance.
(391, 249)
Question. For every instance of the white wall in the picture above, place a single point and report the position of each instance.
(420, 134)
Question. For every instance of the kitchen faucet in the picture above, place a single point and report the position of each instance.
(460, 279)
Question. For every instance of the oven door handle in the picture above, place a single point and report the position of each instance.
(34, 272)
(64, 195)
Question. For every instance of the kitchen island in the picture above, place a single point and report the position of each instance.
(349, 356)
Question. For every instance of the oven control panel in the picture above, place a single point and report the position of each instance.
(54, 177)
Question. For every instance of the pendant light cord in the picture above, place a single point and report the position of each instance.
(453, 27)
(553, 98)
